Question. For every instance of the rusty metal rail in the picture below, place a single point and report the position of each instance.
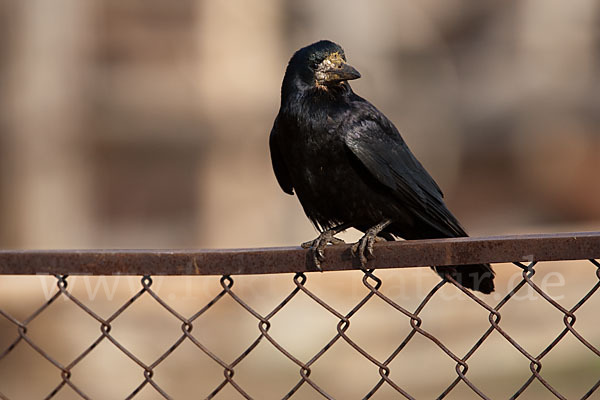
(401, 254)
(530, 249)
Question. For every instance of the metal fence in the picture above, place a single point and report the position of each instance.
(523, 252)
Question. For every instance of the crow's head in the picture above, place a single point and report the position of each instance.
(319, 65)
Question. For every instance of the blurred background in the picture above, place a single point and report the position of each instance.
(145, 123)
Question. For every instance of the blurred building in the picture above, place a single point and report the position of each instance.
(145, 123)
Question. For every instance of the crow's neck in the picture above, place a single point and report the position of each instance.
(315, 98)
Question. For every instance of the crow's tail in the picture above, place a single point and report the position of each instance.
(478, 277)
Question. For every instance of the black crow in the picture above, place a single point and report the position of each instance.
(350, 167)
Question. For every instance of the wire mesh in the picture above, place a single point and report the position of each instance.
(190, 324)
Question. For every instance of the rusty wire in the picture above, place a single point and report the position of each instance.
(370, 281)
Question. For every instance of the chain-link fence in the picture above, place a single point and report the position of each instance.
(470, 347)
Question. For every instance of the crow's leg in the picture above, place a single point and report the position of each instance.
(318, 245)
(364, 247)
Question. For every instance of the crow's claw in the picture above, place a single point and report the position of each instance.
(318, 245)
(363, 249)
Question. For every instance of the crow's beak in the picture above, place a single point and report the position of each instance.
(344, 72)
(333, 73)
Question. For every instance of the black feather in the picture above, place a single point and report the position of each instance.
(348, 164)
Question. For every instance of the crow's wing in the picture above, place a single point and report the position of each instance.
(281, 172)
(377, 144)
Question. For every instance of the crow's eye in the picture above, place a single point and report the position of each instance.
(314, 65)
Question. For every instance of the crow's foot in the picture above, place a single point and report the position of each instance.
(363, 249)
(318, 245)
